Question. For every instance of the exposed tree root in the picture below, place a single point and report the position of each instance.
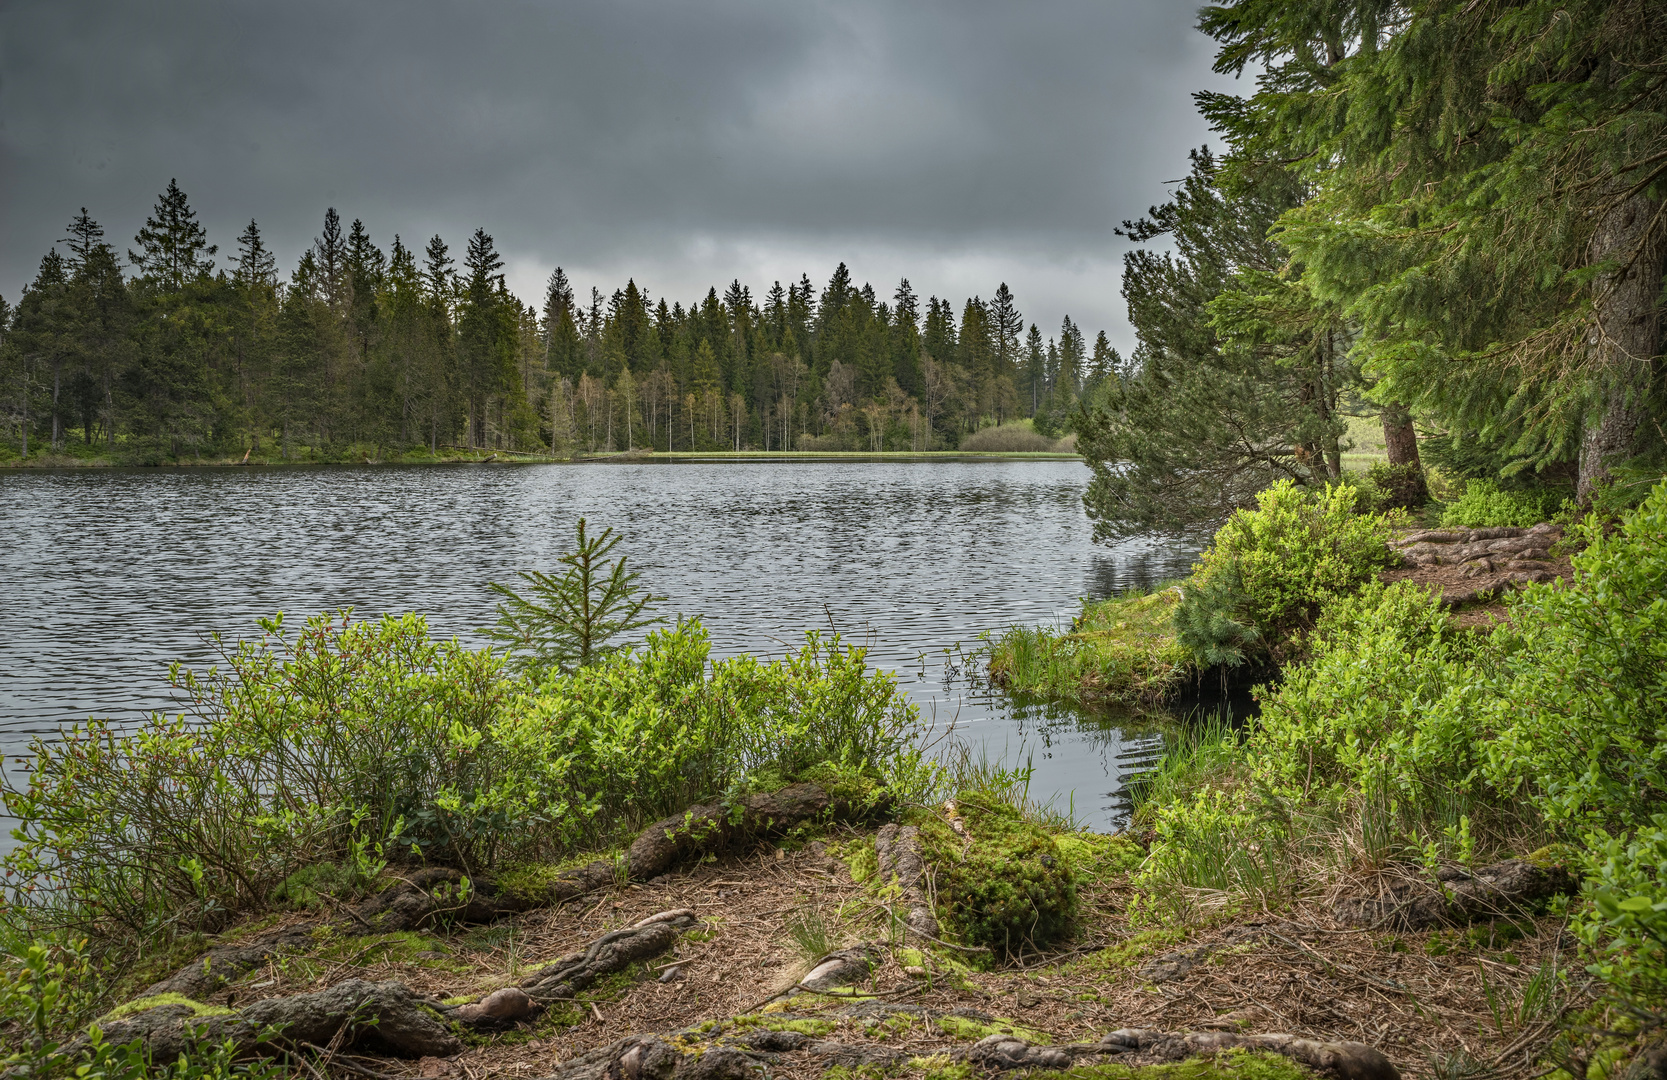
(385, 1017)
(1458, 897)
(434, 895)
(676, 1057)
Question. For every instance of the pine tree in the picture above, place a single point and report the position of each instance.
(1006, 324)
(173, 245)
(563, 353)
(256, 265)
(330, 251)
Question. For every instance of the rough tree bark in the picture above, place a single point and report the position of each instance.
(1627, 336)
(1400, 441)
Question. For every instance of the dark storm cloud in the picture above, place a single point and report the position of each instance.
(685, 144)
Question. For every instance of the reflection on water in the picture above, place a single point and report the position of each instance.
(110, 574)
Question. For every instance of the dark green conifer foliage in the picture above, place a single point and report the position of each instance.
(173, 245)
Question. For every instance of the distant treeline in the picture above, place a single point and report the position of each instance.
(405, 349)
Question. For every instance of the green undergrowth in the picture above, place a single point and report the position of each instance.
(1120, 650)
(314, 757)
(1402, 742)
(1254, 596)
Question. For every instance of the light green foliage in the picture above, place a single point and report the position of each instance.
(1121, 649)
(574, 620)
(351, 740)
(1010, 889)
(1627, 925)
(1485, 503)
(1268, 571)
(1401, 738)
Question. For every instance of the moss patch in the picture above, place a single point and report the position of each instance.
(970, 1030)
(1122, 649)
(532, 881)
(1096, 855)
(158, 1000)
(1233, 1064)
(1010, 888)
(1134, 950)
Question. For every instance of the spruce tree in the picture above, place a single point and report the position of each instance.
(173, 245)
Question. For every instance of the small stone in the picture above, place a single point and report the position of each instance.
(915, 971)
(672, 974)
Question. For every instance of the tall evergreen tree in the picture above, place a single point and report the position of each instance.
(173, 245)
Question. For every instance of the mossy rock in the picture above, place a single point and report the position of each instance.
(1011, 888)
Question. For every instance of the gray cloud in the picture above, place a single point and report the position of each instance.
(960, 144)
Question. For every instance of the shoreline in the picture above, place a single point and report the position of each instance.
(62, 463)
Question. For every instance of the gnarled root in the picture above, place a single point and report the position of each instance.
(437, 894)
(1339, 1060)
(386, 1017)
(1458, 897)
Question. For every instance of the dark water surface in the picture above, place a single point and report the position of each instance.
(108, 575)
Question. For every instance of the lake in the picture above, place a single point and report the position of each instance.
(108, 575)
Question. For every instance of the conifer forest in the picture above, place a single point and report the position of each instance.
(170, 350)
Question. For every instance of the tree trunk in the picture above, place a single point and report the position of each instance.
(1626, 338)
(57, 426)
(1400, 441)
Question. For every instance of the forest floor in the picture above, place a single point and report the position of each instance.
(1439, 1004)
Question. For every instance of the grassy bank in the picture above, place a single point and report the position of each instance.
(1122, 650)
(1251, 599)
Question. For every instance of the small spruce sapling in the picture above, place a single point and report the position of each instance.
(568, 622)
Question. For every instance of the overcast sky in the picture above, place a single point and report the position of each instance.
(682, 144)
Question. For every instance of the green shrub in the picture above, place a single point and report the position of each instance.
(1401, 738)
(355, 743)
(1010, 888)
(1268, 571)
(1485, 504)
(1392, 487)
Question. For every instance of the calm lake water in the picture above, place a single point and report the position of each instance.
(108, 575)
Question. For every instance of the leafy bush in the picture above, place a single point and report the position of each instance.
(1485, 504)
(362, 742)
(1007, 886)
(1392, 487)
(1009, 438)
(1403, 739)
(1268, 570)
